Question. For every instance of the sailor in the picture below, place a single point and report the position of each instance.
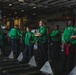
(29, 43)
(70, 45)
(43, 43)
(55, 43)
(14, 35)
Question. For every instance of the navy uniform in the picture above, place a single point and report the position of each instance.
(55, 44)
(29, 42)
(70, 45)
(14, 36)
(43, 44)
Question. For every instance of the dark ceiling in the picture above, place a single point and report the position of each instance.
(32, 7)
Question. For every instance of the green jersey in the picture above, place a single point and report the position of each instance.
(43, 32)
(68, 32)
(29, 38)
(14, 33)
(55, 35)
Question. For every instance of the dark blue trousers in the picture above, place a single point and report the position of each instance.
(14, 47)
(55, 50)
(27, 53)
(43, 53)
(69, 61)
(2, 49)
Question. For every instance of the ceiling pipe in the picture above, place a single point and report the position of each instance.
(69, 5)
(55, 2)
(63, 3)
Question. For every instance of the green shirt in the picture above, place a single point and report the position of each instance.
(1, 38)
(43, 32)
(74, 40)
(68, 32)
(55, 35)
(29, 38)
(14, 33)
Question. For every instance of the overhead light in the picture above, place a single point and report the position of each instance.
(34, 14)
(34, 7)
(21, 0)
(22, 10)
(10, 4)
(15, 12)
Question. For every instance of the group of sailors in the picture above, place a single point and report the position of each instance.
(57, 40)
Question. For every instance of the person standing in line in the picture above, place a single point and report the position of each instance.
(55, 43)
(74, 44)
(23, 37)
(1, 42)
(14, 34)
(69, 45)
(29, 42)
(18, 38)
(43, 43)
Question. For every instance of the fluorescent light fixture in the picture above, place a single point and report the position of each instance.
(15, 12)
(34, 7)
(22, 10)
(34, 14)
(10, 4)
(21, 0)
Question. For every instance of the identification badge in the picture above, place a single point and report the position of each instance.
(68, 28)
